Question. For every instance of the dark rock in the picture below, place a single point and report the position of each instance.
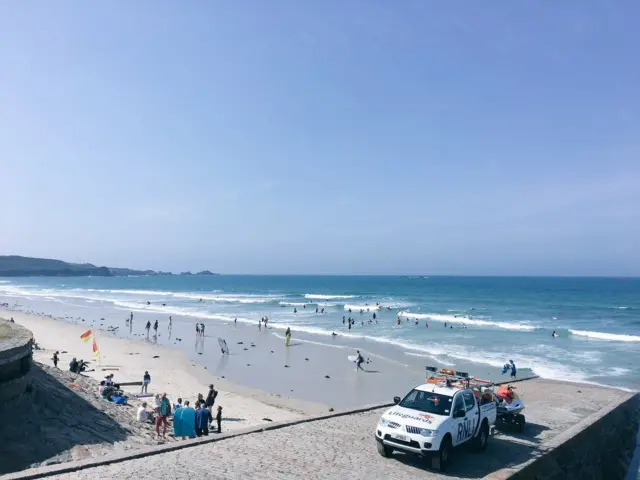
(331, 409)
(156, 356)
(327, 376)
(286, 366)
(267, 419)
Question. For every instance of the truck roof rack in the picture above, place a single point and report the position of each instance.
(454, 377)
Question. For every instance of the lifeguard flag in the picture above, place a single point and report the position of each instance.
(96, 352)
(86, 336)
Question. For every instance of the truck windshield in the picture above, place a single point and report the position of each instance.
(427, 402)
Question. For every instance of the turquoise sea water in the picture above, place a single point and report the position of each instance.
(597, 319)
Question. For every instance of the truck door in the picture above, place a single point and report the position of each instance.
(462, 426)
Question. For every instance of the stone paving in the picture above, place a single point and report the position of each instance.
(344, 447)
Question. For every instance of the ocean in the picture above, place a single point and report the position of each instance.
(494, 319)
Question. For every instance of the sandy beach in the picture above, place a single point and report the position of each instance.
(172, 372)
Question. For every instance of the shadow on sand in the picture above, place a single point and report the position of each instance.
(51, 418)
(500, 453)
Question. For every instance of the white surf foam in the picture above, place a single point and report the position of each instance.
(319, 296)
(366, 308)
(294, 340)
(459, 320)
(614, 337)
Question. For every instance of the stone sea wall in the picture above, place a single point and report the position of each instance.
(600, 447)
(16, 346)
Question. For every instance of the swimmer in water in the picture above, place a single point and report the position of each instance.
(554, 334)
(398, 322)
(295, 310)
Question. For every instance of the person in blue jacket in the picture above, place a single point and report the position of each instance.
(203, 419)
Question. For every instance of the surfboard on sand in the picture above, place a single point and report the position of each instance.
(223, 346)
(352, 358)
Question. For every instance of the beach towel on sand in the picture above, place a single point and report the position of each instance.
(184, 422)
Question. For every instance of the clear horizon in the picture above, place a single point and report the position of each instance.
(395, 138)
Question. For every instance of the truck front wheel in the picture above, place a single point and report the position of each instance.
(444, 454)
(384, 450)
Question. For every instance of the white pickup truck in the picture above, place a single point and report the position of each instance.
(432, 419)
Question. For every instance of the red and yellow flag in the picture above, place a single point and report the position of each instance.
(86, 336)
(96, 352)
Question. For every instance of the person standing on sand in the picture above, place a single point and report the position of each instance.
(513, 369)
(155, 328)
(169, 321)
(202, 329)
(197, 329)
(219, 419)
(211, 397)
(260, 325)
(203, 419)
(146, 380)
(163, 412)
(148, 327)
(55, 359)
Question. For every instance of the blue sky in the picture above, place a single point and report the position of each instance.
(323, 137)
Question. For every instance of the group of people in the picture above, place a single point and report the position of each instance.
(200, 329)
(188, 422)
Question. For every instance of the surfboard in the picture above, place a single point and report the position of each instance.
(223, 346)
(352, 358)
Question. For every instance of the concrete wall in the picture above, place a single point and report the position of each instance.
(600, 447)
(15, 360)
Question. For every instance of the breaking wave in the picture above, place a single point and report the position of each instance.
(614, 337)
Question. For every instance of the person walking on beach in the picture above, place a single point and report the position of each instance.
(359, 361)
(259, 325)
(169, 321)
(148, 327)
(146, 380)
(202, 329)
(164, 412)
(197, 329)
(55, 359)
(513, 369)
(287, 336)
(219, 419)
(155, 328)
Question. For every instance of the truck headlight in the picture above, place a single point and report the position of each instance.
(382, 422)
(425, 432)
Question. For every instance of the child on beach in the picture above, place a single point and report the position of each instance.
(146, 380)
(219, 419)
(55, 359)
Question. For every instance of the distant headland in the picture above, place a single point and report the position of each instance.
(17, 266)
